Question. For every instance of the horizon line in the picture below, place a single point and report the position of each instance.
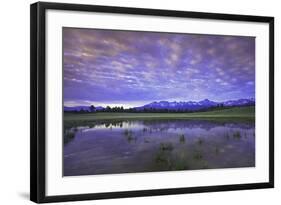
(127, 105)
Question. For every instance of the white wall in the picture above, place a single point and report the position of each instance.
(14, 101)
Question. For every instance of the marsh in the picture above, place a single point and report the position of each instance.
(148, 145)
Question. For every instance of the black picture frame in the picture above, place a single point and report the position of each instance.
(38, 101)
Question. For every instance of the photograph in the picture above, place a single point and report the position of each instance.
(147, 101)
(140, 101)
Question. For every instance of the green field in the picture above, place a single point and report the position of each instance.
(237, 113)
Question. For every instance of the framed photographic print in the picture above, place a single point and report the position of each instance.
(129, 102)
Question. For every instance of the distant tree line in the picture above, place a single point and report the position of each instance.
(93, 109)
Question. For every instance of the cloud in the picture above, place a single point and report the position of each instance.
(106, 66)
(250, 83)
(218, 80)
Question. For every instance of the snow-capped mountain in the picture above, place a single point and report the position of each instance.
(240, 102)
(193, 105)
(180, 106)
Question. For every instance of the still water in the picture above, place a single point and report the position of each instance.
(158, 145)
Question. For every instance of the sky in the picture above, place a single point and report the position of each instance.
(133, 68)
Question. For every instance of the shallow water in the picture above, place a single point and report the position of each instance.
(158, 145)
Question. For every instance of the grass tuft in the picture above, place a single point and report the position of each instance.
(198, 155)
(200, 141)
(166, 146)
(237, 135)
(129, 135)
(182, 138)
(68, 136)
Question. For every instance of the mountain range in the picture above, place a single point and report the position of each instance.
(182, 105)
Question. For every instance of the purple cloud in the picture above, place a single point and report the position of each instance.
(132, 68)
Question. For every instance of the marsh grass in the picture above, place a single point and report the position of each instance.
(180, 165)
(146, 140)
(144, 129)
(129, 135)
(200, 141)
(166, 161)
(217, 150)
(163, 153)
(198, 155)
(161, 157)
(166, 158)
(237, 135)
(168, 146)
(205, 166)
(68, 136)
(126, 132)
(182, 138)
